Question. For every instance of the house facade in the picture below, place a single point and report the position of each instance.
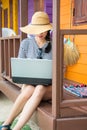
(74, 16)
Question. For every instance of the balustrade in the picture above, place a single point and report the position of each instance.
(9, 47)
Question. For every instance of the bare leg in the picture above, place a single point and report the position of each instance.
(30, 106)
(19, 103)
(48, 94)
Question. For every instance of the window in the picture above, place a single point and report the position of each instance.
(80, 12)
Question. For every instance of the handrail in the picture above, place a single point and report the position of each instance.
(73, 32)
(9, 47)
(72, 102)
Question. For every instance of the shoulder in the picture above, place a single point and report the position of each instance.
(25, 42)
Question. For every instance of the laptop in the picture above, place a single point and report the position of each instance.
(31, 71)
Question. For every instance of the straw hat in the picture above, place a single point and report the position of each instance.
(39, 23)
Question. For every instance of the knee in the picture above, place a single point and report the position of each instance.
(40, 90)
(27, 91)
(25, 95)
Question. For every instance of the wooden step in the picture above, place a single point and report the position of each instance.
(76, 123)
(10, 90)
(45, 119)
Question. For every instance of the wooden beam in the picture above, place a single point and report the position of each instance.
(23, 15)
(74, 102)
(6, 18)
(11, 13)
(57, 61)
(38, 5)
(73, 32)
(0, 18)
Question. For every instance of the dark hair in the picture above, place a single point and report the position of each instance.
(48, 38)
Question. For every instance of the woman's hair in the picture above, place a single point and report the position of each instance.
(48, 38)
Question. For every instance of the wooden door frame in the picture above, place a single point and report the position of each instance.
(57, 61)
(0, 18)
(23, 15)
(6, 18)
(11, 13)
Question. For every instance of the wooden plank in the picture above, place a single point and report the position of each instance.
(63, 3)
(81, 40)
(78, 68)
(82, 57)
(16, 45)
(2, 55)
(77, 123)
(9, 47)
(10, 90)
(11, 13)
(78, 77)
(74, 102)
(45, 119)
(73, 112)
(73, 31)
(66, 11)
(23, 15)
(38, 5)
(57, 61)
(82, 49)
(0, 59)
(0, 18)
(65, 19)
(6, 18)
(6, 58)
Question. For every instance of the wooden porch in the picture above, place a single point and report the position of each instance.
(65, 111)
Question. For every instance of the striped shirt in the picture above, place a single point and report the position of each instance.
(30, 49)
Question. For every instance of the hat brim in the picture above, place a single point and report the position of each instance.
(36, 29)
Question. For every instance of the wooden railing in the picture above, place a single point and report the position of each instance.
(76, 103)
(9, 47)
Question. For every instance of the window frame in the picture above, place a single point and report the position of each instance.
(79, 12)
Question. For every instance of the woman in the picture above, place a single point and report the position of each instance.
(36, 46)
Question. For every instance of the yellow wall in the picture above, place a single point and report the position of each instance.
(5, 4)
(77, 72)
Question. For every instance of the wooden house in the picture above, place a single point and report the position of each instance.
(66, 111)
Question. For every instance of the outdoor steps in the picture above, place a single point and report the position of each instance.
(45, 119)
(9, 89)
(44, 116)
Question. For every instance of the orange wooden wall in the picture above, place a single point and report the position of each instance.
(77, 72)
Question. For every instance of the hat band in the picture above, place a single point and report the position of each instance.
(40, 24)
